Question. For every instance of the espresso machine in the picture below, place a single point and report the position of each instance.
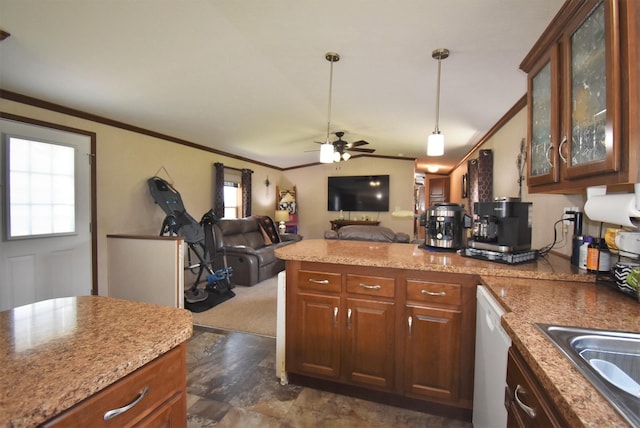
(502, 231)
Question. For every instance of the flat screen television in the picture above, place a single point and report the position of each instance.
(358, 193)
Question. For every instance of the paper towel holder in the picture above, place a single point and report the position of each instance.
(628, 205)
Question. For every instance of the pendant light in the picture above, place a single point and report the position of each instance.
(435, 142)
(326, 149)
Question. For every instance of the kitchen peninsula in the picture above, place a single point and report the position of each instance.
(548, 290)
(66, 358)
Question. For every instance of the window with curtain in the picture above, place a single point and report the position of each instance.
(231, 191)
(232, 199)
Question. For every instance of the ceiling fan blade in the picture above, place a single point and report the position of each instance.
(358, 143)
(355, 149)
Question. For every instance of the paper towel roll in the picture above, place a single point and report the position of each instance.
(614, 209)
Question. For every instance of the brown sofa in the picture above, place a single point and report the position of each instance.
(249, 244)
(367, 233)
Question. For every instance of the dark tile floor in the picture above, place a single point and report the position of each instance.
(231, 382)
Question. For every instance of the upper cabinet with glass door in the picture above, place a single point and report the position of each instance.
(591, 94)
(544, 130)
(580, 128)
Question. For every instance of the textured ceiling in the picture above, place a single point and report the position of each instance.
(250, 77)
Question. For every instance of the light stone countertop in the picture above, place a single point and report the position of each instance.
(56, 353)
(411, 256)
(548, 290)
(569, 304)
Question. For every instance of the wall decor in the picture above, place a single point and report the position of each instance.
(465, 185)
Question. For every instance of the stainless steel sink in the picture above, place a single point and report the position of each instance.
(610, 360)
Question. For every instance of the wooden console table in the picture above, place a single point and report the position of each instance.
(337, 224)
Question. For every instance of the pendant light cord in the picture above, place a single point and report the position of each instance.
(437, 130)
(329, 106)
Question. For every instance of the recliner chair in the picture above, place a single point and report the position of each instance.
(249, 245)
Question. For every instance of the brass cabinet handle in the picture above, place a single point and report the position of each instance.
(410, 322)
(319, 281)
(433, 293)
(349, 318)
(530, 411)
(562, 143)
(335, 315)
(115, 412)
(370, 287)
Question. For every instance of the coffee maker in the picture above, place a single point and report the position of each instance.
(445, 226)
(502, 226)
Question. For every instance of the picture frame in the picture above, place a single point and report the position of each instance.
(287, 201)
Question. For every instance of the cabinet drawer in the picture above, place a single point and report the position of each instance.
(320, 281)
(371, 285)
(433, 292)
(162, 379)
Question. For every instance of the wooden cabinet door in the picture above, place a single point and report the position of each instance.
(316, 345)
(438, 190)
(170, 414)
(432, 352)
(369, 350)
(527, 404)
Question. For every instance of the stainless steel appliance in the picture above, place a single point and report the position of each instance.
(502, 232)
(445, 226)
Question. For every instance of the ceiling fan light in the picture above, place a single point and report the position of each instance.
(435, 144)
(346, 156)
(336, 156)
(326, 153)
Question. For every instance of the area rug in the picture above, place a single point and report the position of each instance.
(253, 310)
(213, 299)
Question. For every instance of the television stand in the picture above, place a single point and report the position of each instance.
(337, 224)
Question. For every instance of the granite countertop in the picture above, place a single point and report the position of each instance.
(411, 256)
(571, 304)
(56, 353)
(549, 290)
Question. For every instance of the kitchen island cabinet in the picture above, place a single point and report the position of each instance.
(341, 333)
(549, 290)
(435, 336)
(403, 332)
(67, 361)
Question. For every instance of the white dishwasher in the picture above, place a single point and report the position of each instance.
(490, 378)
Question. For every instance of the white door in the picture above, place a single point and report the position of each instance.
(38, 268)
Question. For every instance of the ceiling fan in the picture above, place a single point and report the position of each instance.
(341, 148)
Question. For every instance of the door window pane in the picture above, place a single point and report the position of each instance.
(40, 197)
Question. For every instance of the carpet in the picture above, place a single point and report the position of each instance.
(253, 310)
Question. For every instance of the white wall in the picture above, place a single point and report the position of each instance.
(311, 184)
